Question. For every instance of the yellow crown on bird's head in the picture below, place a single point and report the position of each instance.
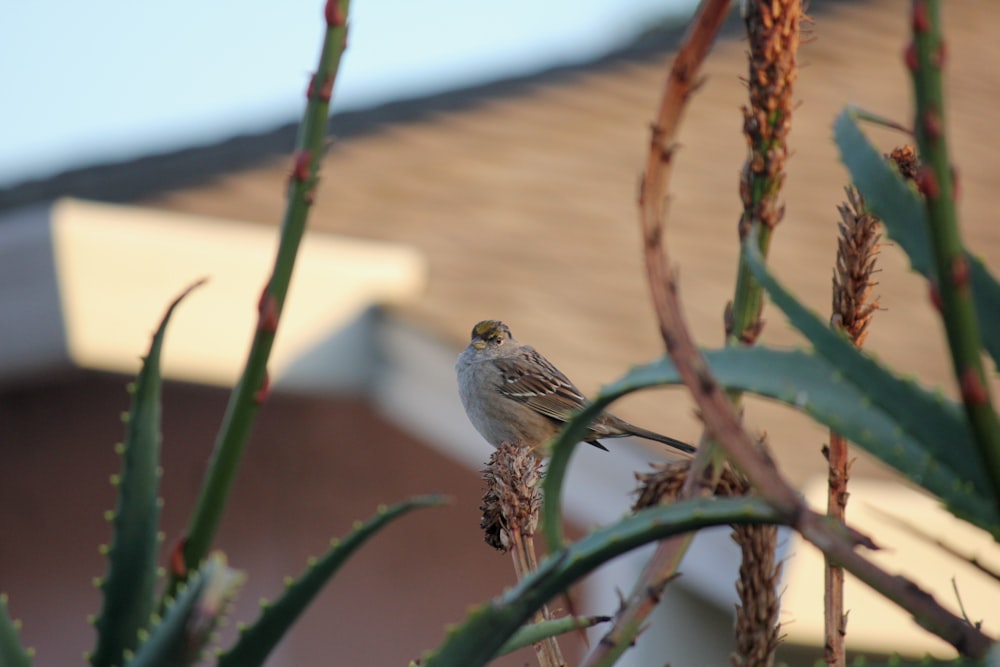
(490, 329)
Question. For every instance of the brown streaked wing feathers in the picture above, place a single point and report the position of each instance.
(540, 385)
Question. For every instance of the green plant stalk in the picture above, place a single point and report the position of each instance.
(748, 297)
(937, 184)
(478, 639)
(251, 388)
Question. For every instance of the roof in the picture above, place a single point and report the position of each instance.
(524, 204)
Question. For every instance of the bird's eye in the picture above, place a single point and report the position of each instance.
(497, 340)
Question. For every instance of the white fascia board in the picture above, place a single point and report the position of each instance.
(112, 270)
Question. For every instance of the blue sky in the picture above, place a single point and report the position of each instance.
(110, 79)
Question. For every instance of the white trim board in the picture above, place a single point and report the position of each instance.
(85, 284)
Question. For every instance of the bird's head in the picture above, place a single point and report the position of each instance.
(490, 333)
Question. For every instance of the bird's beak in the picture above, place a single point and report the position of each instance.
(479, 344)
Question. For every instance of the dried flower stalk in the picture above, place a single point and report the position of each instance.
(665, 483)
(853, 308)
(773, 32)
(510, 508)
(757, 628)
(857, 251)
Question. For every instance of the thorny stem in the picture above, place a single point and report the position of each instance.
(834, 618)
(252, 388)
(925, 58)
(680, 85)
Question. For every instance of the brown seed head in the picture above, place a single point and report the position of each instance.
(857, 251)
(513, 495)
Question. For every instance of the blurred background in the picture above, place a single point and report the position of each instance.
(484, 164)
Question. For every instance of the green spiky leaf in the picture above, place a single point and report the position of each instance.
(188, 622)
(257, 641)
(128, 586)
(811, 384)
(478, 639)
(536, 632)
(929, 661)
(947, 452)
(905, 219)
(12, 652)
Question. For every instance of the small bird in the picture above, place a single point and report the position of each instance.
(513, 394)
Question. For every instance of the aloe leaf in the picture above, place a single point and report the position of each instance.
(536, 632)
(937, 424)
(811, 384)
(12, 652)
(128, 586)
(189, 620)
(562, 448)
(928, 661)
(257, 641)
(905, 218)
(477, 640)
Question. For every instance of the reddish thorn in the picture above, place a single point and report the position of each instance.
(177, 566)
(910, 57)
(324, 92)
(932, 124)
(921, 20)
(309, 196)
(267, 312)
(973, 391)
(938, 55)
(300, 165)
(333, 13)
(927, 183)
(960, 272)
(265, 390)
(936, 296)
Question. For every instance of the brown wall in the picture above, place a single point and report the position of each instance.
(313, 467)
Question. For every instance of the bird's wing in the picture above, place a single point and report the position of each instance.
(532, 380)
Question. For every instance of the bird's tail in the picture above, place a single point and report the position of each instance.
(665, 439)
